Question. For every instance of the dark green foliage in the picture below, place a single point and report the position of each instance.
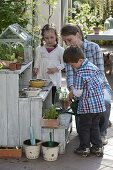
(12, 12)
(51, 113)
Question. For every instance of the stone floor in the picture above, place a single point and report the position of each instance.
(68, 161)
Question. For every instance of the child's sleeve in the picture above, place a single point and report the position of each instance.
(61, 65)
(78, 86)
(37, 57)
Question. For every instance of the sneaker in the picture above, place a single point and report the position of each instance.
(83, 152)
(104, 140)
(98, 151)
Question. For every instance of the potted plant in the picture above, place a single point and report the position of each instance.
(6, 56)
(96, 22)
(50, 118)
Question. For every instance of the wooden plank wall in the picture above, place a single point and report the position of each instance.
(12, 109)
(3, 111)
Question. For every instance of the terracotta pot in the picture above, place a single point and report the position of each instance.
(18, 66)
(6, 63)
(96, 30)
(12, 66)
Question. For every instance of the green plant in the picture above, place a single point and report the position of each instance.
(51, 113)
(6, 53)
(12, 12)
(85, 16)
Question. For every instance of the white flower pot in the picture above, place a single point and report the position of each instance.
(50, 153)
(32, 151)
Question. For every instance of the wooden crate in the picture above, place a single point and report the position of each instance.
(50, 123)
(10, 152)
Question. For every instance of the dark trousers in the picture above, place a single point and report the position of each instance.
(89, 132)
(104, 121)
(53, 94)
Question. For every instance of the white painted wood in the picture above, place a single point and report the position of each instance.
(36, 115)
(12, 89)
(18, 114)
(24, 119)
(3, 111)
(25, 77)
(30, 114)
(23, 68)
(9, 105)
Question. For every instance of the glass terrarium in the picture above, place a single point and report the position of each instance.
(16, 43)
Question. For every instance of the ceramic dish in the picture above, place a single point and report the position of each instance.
(32, 92)
(37, 83)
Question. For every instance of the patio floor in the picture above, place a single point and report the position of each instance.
(68, 161)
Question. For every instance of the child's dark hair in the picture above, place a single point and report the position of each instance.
(48, 27)
(71, 29)
(72, 54)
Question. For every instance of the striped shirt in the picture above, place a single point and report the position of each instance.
(89, 79)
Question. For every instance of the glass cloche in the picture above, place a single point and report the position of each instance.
(15, 40)
(110, 19)
(106, 25)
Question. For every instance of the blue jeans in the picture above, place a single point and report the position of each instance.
(104, 120)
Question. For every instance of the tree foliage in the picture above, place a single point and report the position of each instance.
(84, 15)
(12, 12)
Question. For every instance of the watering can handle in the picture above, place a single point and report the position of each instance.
(50, 136)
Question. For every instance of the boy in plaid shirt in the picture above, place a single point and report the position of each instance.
(89, 88)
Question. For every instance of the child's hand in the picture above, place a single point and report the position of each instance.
(66, 103)
(35, 71)
(70, 96)
(52, 70)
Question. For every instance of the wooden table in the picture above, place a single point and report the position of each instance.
(106, 35)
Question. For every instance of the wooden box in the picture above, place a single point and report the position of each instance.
(10, 152)
(50, 123)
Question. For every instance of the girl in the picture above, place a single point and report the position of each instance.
(48, 61)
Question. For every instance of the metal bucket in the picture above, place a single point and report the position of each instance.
(32, 151)
(50, 150)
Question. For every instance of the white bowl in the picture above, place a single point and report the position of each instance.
(32, 92)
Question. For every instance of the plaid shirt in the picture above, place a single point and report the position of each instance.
(93, 53)
(89, 79)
